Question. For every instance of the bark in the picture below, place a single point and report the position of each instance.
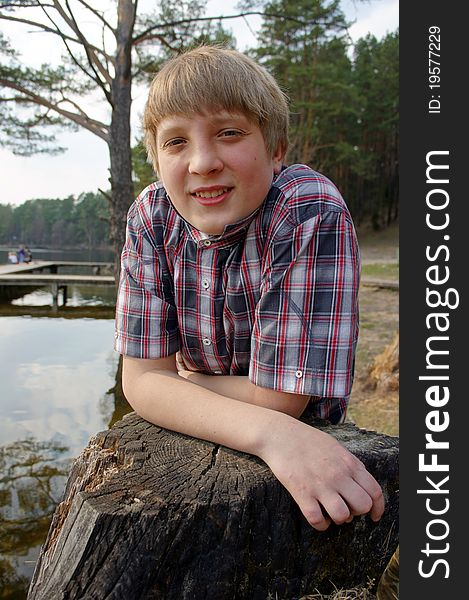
(122, 191)
(149, 513)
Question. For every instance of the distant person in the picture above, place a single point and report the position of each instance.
(12, 257)
(21, 254)
(238, 298)
(28, 255)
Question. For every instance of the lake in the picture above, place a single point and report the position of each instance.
(59, 386)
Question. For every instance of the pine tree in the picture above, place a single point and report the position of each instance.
(36, 103)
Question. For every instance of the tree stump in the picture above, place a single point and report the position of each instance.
(151, 514)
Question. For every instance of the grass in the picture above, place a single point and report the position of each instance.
(358, 593)
(381, 270)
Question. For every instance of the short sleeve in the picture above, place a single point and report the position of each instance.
(146, 317)
(306, 323)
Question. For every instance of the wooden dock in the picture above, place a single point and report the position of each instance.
(41, 273)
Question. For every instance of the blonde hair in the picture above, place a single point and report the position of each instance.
(216, 78)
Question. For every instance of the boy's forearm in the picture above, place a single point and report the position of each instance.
(232, 386)
(166, 399)
(241, 388)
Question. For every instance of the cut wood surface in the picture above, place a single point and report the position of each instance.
(149, 513)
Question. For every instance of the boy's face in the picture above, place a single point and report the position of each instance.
(215, 167)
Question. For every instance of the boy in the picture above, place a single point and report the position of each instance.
(237, 303)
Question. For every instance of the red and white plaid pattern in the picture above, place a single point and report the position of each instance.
(274, 297)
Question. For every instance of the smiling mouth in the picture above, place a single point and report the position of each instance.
(211, 193)
(211, 197)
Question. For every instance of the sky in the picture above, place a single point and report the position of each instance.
(84, 166)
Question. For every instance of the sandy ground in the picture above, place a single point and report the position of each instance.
(379, 323)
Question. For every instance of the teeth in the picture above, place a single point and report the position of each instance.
(212, 194)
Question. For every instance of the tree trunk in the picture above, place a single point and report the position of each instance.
(122, 191)
(152, 514)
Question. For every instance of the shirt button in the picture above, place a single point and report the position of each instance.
(205, 283)
(206, 342)
(207, 243)
(299, 374)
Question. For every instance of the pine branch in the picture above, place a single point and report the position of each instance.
(97, 127)
(98, 15)
(160, 37)
(93, 76)
(92, 57)
(107, 196)
(57, 31)
(141, 37)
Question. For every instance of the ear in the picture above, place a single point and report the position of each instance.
(277, 158)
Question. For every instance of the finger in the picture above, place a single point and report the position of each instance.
(336, 508)
(357, 499)
(377, 509)
(315, 515)
(373, 489)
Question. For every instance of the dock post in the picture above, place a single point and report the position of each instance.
(64, 294)
(55, 296)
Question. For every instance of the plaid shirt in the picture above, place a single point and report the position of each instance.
(274, 297)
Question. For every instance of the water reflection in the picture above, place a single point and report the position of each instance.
(60, 384)
(81, 296)
(116, 394)
(33, 477)
(65, 312)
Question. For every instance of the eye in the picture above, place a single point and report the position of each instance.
(173, 142)
(231, 133)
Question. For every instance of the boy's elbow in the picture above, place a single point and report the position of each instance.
(291, 404)
(296, 409)
(135, 384)
(128, 389)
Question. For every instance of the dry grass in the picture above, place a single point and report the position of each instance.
(355, 594)
(358, 593)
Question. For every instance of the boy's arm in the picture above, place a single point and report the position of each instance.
(312, 465)
(239, 387)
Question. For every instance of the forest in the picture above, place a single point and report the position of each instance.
(57, 223)
(344, 123)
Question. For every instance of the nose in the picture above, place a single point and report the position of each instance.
(204, 159)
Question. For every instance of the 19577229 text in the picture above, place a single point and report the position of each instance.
(434, 69)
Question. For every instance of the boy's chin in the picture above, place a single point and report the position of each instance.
(207, 229)
(210, 226)
(213, 225)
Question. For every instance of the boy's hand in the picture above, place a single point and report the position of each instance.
(327, 482)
